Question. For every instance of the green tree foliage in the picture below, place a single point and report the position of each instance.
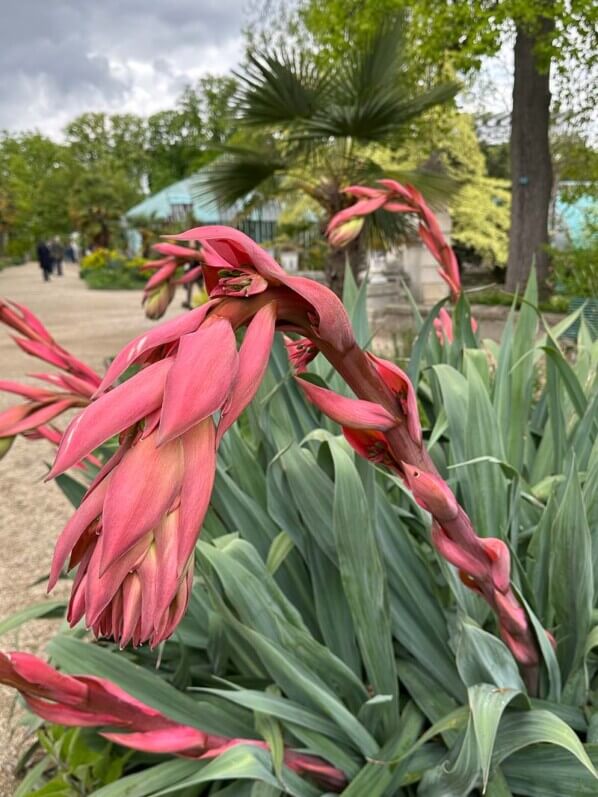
(313, 128)
(98, 199)
(34, 178)
(560, 35)
(105, 164)
(182, 140)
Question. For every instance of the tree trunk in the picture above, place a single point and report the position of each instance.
(336, 262)
(531, 169)
(102, 238)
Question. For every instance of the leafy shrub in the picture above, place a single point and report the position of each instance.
(323, 618)
(109, 268)
(70, 761)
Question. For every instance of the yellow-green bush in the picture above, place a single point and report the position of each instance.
(109, 268)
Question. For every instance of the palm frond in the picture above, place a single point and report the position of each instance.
(376, 63)
(279, 88)
(367, 98)
(237, 173)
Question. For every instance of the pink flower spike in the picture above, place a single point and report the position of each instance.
(370, 445)
(42, 679)
(364, 207)
(453, 285)
(86, 701)
(200, 380)
(523, 653)
(253, 362)
(404, 191)
(111, 414)
(397, 207)
(331, 321)
(65, 715)
(430, 242)
(500, 559)
(89, 509)
(50, 433)
(154, 264)
(33, 416)
(400, 384)
(78, 385)
(350, 412)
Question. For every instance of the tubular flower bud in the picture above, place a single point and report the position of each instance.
(500, 559)
(400, 384)
(88, 701)
(349, 412)
(431, 493)
(458, 556)
(345, 233)
(157, 300)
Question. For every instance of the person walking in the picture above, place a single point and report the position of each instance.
(57, 252)
(45, 259)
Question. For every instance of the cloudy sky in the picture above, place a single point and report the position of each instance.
(59, 58)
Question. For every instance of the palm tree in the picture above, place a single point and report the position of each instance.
(315, 128)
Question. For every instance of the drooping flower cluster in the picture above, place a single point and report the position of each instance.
(87, 701)
(134, 534)
(396, 198)
(72, 386)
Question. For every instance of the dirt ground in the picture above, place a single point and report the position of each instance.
(93, 325)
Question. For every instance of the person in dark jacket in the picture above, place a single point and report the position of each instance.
(45, 259)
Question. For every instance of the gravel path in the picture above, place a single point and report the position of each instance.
(93, 325)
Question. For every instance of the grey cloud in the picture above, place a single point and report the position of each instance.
(62, 57)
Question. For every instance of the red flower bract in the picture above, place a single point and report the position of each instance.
(134, 534)
(88, 701)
